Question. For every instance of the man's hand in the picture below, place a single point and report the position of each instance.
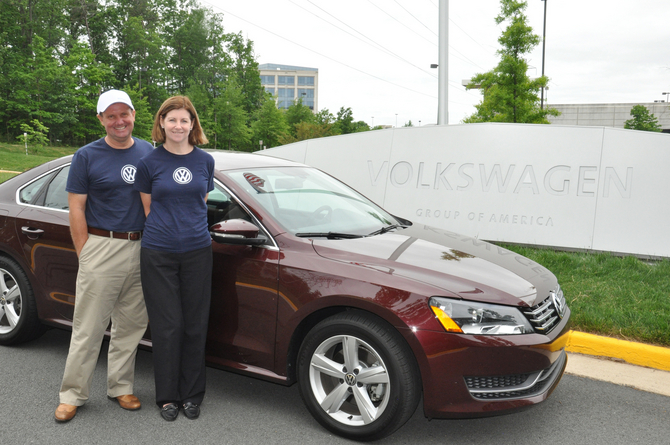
(78, 226)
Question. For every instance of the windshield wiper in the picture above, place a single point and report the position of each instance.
(329, 235)
(386, 229)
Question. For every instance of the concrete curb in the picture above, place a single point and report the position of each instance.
(640, 354)
(620, 373)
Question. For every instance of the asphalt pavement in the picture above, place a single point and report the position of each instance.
(242, 410)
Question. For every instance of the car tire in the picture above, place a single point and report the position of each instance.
(384, 380)
(18, 312)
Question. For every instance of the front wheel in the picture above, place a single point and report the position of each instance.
(357, 376)
(18, 313)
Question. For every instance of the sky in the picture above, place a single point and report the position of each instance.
(374, 56)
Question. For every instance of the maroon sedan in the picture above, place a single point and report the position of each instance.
(315, 284)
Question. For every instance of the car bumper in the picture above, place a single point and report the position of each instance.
(468, 376)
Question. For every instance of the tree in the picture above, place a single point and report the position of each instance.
(202, 101)
(245, 68)
(642, 120)
(312, 126)
(230, 118)
(57, 56)
(89, 78)
(46, 95)
(190, 49)
(324, 116)
(509, 95)
(36, 135)
(358, 126)
(144, 120)
(307, 130)
(345, 124)
(269, 125)
(344, 121)
(298, 113)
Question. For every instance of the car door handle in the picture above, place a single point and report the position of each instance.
(30, 232)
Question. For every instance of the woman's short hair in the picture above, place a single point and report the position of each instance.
(195, 137)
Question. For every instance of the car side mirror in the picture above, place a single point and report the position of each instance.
(236, 231)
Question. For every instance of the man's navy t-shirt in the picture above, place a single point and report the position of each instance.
(178, 184)
(106, 175)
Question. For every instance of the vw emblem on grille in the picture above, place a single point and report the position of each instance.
(350, 379)
(128, 173)
(559, 302)
(182, 175)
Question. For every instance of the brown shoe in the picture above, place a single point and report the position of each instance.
(129, 402)
(65, 412)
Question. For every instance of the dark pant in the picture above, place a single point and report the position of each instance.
(177, 291)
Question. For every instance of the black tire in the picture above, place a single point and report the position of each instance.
(385, 377)
(18, 312)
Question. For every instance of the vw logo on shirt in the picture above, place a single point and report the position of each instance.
(128, 173)
(182, 175)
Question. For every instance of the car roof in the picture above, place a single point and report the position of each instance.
(233, 160)
(224, 160)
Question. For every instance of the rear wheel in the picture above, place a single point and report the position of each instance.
(357, 376)
(18, 313)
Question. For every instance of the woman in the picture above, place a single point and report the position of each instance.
(176, 256)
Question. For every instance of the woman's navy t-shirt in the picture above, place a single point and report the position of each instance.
(178, 184)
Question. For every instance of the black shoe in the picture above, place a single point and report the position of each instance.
(170, 411)
(191, 410)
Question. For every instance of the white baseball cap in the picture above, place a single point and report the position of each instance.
(112, 97)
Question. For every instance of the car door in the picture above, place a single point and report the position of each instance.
(43, 230)
(243, 313)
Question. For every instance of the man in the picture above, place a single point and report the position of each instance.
(106, 222)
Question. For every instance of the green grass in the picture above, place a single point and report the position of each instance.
(13, 157)
(620, 297)
(6, 176)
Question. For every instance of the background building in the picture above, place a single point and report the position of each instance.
(607, 115)
(289, 83)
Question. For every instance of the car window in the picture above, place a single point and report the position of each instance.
(32, 190)
(308, 200)
(56, 196)
(221, 207)
(47, 191)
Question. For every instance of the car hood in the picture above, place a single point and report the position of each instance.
(454, 264)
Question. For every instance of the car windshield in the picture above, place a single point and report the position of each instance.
(308, 202)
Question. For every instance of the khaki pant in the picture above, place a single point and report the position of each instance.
(108, 287)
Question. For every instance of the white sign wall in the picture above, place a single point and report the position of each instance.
(591, 188)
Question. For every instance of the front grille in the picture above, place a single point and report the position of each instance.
(515, 386)
(496, 381)
(546, 315)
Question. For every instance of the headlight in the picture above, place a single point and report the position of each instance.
(469, 317)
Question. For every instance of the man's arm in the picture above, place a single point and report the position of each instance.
(78, 227)
(146, 202)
